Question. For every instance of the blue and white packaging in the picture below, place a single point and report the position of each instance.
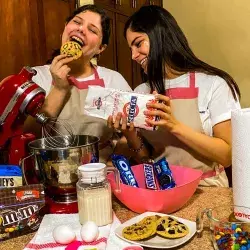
(124, 168)
(164, 174)
(10, 176)
(103, 102)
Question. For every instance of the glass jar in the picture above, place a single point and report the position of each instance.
(94, 193)
(229, 226)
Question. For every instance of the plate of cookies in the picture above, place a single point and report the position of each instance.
(157, 230)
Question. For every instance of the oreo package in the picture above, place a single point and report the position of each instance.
(164, 174)
(124, 168)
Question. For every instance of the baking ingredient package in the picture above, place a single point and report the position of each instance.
(103, 102)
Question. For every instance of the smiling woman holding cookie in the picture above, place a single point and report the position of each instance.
(66, 79)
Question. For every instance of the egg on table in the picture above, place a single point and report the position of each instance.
(89, 231)
(64, 234)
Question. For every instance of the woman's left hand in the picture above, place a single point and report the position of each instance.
(163, 110)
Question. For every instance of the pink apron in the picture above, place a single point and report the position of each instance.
(73, 112)
(185, 109)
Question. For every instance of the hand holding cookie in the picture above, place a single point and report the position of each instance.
(59, 70)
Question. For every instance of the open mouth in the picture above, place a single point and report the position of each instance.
(77, 40)
(143, 61)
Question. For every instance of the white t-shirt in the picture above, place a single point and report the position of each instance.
(112, 79)
(215, 99)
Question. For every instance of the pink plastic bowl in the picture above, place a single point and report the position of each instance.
(141, 199)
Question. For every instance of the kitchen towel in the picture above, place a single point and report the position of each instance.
(241, 161)
(43, 239)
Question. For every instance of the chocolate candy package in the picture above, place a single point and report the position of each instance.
(10, 176)
(164, 174)
(124, 168)
(21, 210)
(150, 180)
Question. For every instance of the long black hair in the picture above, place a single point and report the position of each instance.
(169, 46)
(105, 23)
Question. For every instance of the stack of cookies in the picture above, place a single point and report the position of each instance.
(165, 226)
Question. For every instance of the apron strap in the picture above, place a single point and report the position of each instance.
(97, 81)
(95, 72)
(190, 92)
(192, 80)
(212, 173)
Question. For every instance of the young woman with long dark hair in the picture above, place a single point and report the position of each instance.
(195, 99)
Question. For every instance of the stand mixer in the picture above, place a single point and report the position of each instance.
(52, 158)
(19, 97)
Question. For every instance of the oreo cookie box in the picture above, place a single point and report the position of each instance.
(103, 102)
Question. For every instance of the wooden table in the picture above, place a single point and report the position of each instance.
(205, 197)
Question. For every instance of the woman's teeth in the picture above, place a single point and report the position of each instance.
(143, 61)
(78, 40)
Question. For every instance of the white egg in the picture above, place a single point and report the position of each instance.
(64, 234)
(89, 231)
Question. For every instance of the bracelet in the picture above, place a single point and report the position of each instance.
(147, 160)
(138, 149)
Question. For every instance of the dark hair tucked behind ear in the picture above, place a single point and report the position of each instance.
(169, 46)
(105, 23)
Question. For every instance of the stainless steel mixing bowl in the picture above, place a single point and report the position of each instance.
(57, 167)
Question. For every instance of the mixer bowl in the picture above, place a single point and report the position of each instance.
(57, 167)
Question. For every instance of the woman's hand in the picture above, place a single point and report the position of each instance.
(59, 70)
(120, 123)
(131, 144)
(163, 110)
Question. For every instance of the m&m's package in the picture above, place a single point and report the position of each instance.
(20, 210)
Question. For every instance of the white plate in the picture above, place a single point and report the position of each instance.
(157, 241)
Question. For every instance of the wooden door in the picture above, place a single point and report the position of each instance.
(20, 42)
(125, 65)
(108, 57)
(55, 13)
(152, 2)
(140, 3)
(126, 7)
(156, 2)
(31, 31)
(106, 3)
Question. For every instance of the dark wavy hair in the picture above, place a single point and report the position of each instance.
(169, 46)
(105, 23)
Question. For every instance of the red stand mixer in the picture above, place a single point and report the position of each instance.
(56, 166)
(19, 97)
